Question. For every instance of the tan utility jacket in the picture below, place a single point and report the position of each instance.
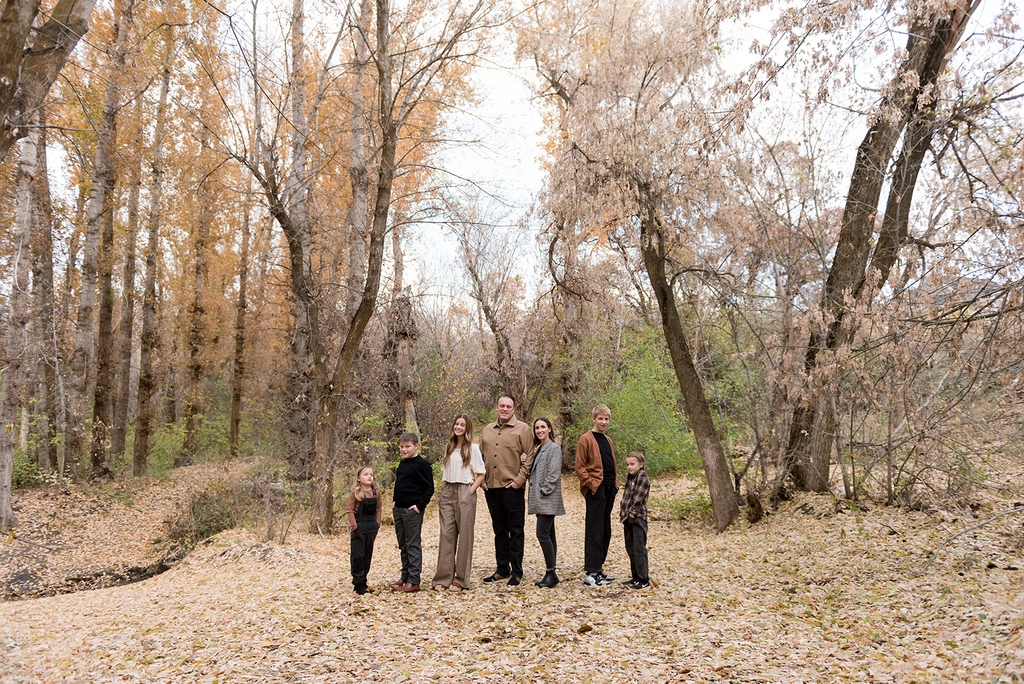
(501, 446)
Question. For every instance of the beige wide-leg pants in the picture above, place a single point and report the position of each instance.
(456, 516)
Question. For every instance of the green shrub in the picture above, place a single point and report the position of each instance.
(26, 471)
(165, 445)
(692, 506)
(646, 407)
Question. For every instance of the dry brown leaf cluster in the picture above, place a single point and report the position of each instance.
(814, 593)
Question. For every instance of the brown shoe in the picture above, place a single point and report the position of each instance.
(399, 583)
(409, 588)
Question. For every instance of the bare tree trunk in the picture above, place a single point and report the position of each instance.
(322, 499)
(102, 412)
(16, 348)
(126, 325)
(172, 400)
(103, 400)
(238, 367)
(196, 320)
(301, 407)
(405, 334)
(569, 298)
(43, 315)
(100, 205)
(724, 507)
(358, 166)
(148, 337)
(931, 41)
(70, 286)
(238, 372)
(31, 58)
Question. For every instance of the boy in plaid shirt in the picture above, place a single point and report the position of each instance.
(633, 516)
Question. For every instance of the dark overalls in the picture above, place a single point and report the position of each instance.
(362, 542)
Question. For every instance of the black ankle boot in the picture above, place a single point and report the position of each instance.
(549, 580)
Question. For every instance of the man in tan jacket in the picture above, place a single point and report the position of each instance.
(502, 443)
(595, 467)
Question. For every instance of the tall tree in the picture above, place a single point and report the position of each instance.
(638, 122)
(148, 337)
(196, 314)
(43, 322)
(569, 298)
(100, 205)
(297, 193)
(359, 159)
(405, 76)
(402, 340)
(102, 212)
(16, 343)
(242, 303)
(126, 322)
(903, 112)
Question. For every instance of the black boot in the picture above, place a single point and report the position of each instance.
(360, 588)
(549, 580)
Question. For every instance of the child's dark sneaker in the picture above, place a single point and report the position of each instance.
(592, 580)
(640, 585)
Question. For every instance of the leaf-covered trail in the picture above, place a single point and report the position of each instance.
(796, 598)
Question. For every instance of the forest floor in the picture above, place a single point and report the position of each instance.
(818, 591)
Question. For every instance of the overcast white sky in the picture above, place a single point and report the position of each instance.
(502, 155)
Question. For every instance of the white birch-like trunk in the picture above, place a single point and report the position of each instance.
(15, 349)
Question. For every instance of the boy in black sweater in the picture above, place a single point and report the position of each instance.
(414, 485)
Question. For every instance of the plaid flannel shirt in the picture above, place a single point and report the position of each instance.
(634, 497)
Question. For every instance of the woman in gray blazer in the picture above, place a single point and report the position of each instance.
(545, 494)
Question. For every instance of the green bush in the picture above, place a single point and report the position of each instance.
(165, 445)
(692, 506)
(26, 471)
(646, 407)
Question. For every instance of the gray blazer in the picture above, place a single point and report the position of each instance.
(545, 493)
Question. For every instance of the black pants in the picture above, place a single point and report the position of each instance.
(408, 527)
(546, 539)
(635, 532)
(362, 550)
(598, 527)
(508, 520)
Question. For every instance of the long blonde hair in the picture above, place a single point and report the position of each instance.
(467, 441)
(357, 486)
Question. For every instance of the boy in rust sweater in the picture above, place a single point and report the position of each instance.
(595, 467)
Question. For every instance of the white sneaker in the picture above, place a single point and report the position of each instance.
(590, 580)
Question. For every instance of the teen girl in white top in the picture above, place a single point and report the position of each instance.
(462, 474)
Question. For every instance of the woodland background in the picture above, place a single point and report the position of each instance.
(781, 240)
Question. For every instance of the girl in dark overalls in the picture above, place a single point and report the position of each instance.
(364, 511)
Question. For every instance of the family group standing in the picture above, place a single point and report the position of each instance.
(510, 454)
